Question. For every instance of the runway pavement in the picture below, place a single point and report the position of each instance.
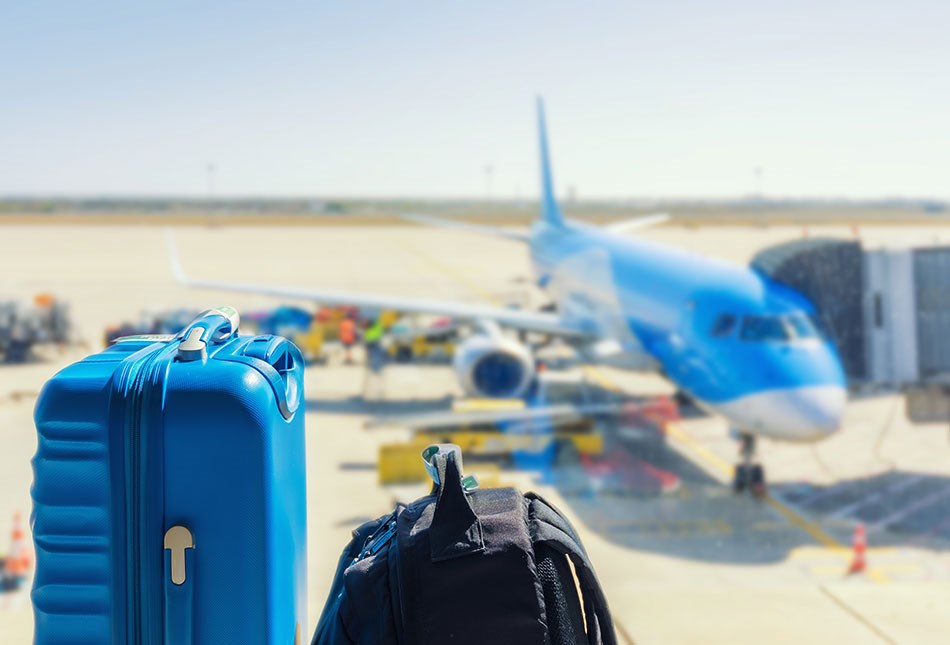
(696, 564)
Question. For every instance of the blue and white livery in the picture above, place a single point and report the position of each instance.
(735, 341)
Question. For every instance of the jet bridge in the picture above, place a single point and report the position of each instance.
(829, 273)
(887, 310)
(907, 317)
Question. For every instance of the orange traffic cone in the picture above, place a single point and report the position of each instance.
(18, 562)
(859, 562)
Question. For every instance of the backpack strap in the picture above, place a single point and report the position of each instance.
(332, 627)
(549, 527)
(456, 529)
(563, 612)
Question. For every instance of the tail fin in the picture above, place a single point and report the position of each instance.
(550, 211)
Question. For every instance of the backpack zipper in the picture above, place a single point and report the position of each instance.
(378, 539)
(396, 593)
(374, 543)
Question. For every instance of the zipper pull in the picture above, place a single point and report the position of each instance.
(179, 586)
(378, 540)
(177, 539)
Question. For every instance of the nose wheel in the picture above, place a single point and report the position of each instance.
(748, 475)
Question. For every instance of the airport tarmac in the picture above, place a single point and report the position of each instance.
(694, 565)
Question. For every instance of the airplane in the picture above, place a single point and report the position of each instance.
(733, 340)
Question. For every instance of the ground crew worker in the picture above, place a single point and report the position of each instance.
(348, 337)
(375, 357)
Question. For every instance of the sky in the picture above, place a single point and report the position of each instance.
(436, 99)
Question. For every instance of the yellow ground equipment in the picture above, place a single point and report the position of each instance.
(420, 347)
(400, 462)
(580, 432)
(388, 318)
(411, 340)
(487, 442)
(310, 342)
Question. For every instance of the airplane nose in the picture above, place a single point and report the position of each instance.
(816, 412)
(803, 413)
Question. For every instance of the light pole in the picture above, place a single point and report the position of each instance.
(210, 170)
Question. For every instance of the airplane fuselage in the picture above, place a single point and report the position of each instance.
(737, 342)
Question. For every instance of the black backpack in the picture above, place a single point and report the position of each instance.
(466, 567)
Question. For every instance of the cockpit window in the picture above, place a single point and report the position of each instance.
(763, 328)
(802, 326)
(723, 325)
(778, 328)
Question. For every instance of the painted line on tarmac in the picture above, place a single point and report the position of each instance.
(804, 524)
(829, 491)
(909, 509)
(622, 633)
(854, 613)
(846, 510)
(718, 465)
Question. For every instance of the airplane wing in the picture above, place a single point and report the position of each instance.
(497, 231)
(637, 223)
(541, 322)
(514, 418)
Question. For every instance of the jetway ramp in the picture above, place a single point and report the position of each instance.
(829, 273)
(887, 311)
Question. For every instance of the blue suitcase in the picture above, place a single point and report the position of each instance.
(169, 495)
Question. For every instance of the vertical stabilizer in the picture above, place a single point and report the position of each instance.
(550, 212)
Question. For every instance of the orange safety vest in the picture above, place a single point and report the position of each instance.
(347, 331)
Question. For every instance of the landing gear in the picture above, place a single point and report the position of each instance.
(683, 400)
(748, 475)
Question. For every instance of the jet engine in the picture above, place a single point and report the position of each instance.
(493, 366)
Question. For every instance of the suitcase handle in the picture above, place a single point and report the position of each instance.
(287, 367)
(219, 324)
